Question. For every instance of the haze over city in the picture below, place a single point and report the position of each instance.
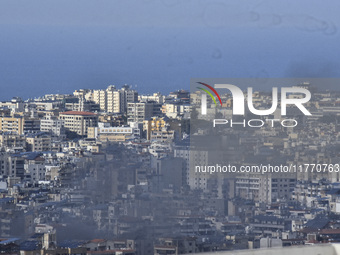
(140, 127)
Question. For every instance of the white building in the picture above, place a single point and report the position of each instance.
(138, 112)
(36, 171)
(114, 100)
(156, 97)
(266, 188)
(15, 105)
(52, 125)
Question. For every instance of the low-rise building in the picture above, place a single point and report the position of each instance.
(52, 125)
(38, 142)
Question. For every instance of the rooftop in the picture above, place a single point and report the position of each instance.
(78, 113)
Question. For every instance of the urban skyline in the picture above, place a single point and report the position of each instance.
(166, 127)
(114, 171)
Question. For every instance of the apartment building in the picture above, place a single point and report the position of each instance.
(99, 97)
(265, 188)
(52, 125)
(138, 112)
(113, 100)
(11, 165)
(12, 140)
(38, 142)
(78, 122)
(154, 124)
(12, 124)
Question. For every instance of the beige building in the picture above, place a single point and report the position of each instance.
(19, 123)
(12, 124)
(111, 119)
(39, 142)
(157, 128)
(113, 100)
(10, 140)
(52, 172)
(162, 135)
(99, 97)
(78, 122)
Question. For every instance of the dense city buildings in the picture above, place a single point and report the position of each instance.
(112, 171)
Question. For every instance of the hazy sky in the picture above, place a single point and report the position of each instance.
(59, 46)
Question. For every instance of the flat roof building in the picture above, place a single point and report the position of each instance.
(78, 122)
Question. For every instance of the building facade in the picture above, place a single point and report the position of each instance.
(78, 122)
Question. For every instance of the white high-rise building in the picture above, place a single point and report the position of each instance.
(111, 96)
(99, 97)
(113, 100)
(121, 98)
